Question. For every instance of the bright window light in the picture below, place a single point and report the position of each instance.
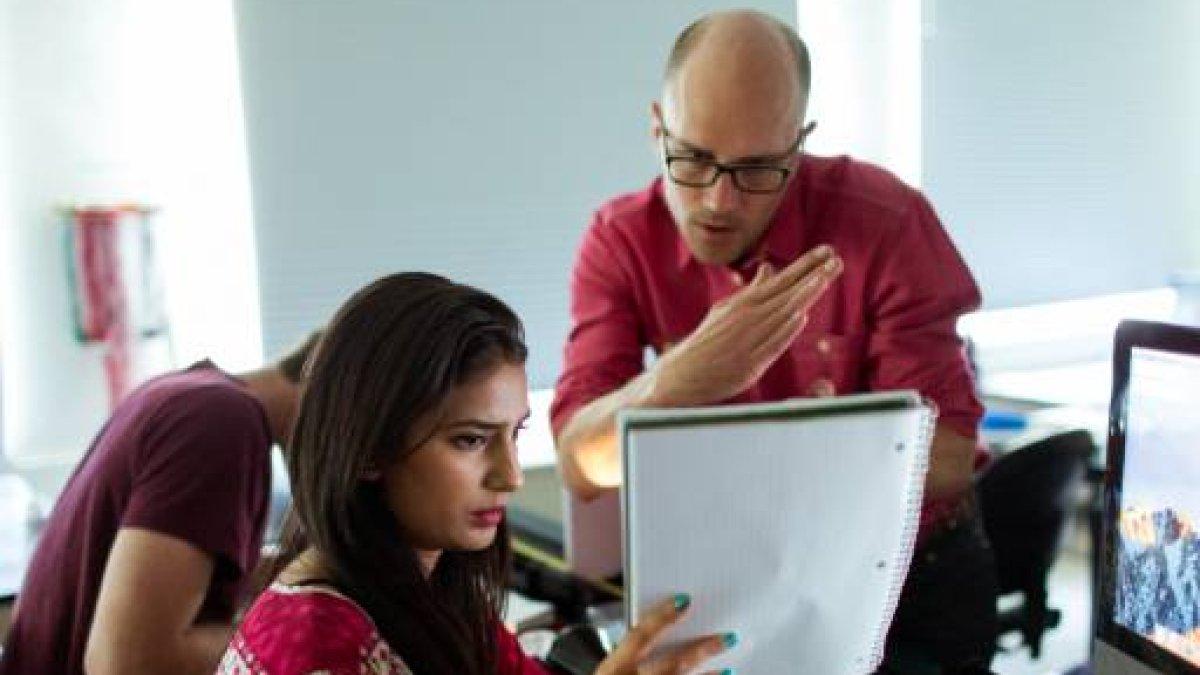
(185, 113)
(1057, 333)
(866, 92)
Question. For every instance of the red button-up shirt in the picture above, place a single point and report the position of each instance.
(887, 322)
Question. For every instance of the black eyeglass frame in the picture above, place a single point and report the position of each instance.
(733, 169)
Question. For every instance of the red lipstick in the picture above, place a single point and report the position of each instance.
(487, 517)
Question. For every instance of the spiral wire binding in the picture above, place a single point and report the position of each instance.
(908, 537)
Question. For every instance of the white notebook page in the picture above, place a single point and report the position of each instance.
(794, 532)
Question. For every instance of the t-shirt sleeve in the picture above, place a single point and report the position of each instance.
(604, 349)
(203, 474)
(921, 287)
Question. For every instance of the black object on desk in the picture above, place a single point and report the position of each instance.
(577, 650)
(540, 571)
(1026, 497)
(541, 576)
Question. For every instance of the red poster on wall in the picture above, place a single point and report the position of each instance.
(116, 291)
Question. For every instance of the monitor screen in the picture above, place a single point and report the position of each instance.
(1157, 594)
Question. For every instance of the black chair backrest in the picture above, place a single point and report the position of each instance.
(1026, 496)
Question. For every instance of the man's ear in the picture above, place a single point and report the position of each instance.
(656, 120)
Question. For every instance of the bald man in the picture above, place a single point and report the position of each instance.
(757, 272)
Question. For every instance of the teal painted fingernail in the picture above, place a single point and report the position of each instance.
(727, 671)
(730, 640)
(682, 600)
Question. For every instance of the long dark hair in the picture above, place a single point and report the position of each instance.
(390, 355)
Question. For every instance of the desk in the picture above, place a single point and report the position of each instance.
(1078, 385)
(18, 537)
(18, 533)
(1072, 396)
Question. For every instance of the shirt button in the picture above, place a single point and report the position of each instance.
(824, 347)
(822, 387)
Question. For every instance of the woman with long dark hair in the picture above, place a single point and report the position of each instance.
(402, 458)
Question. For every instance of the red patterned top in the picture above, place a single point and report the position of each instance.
(304, 630)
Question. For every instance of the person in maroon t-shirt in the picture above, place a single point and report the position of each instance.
(757, 272)
(141, 563)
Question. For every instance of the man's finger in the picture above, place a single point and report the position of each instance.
(810, 289)
(803, 266)
(794, 273)
(765, 271)
(771, 304)
(774, 343)
(750, 292)
(775, 310)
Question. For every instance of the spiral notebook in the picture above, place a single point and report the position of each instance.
(791, 523)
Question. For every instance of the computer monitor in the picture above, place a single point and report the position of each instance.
(1148, 618)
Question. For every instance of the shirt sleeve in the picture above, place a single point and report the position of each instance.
(203, 474)
(921, 287)
(604, 349)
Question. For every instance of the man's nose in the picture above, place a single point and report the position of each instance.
(722, 196)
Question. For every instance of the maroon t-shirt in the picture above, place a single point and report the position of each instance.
(186, 455)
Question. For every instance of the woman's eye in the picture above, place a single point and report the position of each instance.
(470, 441)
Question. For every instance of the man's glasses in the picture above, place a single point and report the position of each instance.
(762, 177)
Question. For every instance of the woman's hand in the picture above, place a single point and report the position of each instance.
(631, 657)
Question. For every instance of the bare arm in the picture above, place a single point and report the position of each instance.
(145, 620)
(737, 341)
(951, 464)
(587, 446)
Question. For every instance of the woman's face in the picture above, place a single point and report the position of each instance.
(450, 492)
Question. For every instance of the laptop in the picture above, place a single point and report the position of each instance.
(1148, 618)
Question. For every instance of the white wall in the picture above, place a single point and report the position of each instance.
(6, 209)
(1058, 140)
(1062, 142)
(121, 100)
(472, 139)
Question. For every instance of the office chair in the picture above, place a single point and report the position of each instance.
(1026, 496)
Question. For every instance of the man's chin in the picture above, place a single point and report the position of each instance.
(714, 255)
(714, 249)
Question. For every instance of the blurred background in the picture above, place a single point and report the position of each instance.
(261, 159)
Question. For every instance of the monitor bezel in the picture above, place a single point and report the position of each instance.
(1160, 337)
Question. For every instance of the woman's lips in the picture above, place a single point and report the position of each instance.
(487, 517)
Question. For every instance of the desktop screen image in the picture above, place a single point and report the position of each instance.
(1158, 547)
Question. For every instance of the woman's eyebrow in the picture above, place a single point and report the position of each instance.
(473, 422)
(482, 423)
